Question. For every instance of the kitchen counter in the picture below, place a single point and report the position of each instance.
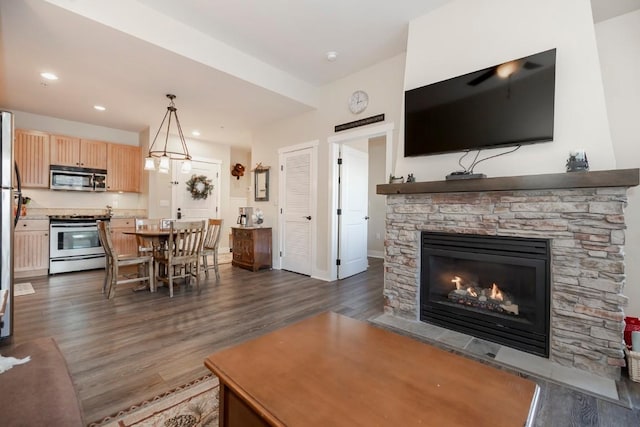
(44, 213)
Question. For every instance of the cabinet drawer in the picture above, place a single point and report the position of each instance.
(32, 225)
(243, 234)
(123, 223)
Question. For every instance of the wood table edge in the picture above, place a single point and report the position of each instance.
(226, 381)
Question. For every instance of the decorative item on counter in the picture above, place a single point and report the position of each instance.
(109, 210)
(238, 170)
(577, 161)
(258, 217)
(395, 179)
(411, 178)
(200, 187)
(23, 208)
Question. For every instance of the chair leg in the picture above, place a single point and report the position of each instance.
(198, 276)
(206, 265)
(151, 276)
(107, 278)
(215, 265)
(170, 285)
(113, 282)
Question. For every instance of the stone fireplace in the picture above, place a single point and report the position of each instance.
(580, 215)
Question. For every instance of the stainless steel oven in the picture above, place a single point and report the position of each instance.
(74, 244)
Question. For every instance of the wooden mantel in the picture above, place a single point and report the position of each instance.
(608, 178)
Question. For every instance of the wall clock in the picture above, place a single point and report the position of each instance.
(358, 101)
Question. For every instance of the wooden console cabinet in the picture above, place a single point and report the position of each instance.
(251, 247)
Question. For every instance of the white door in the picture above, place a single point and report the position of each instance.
(195, 208)
(297, 206)
(352, 222)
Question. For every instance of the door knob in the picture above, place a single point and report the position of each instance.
(366, 217)
(308, 217)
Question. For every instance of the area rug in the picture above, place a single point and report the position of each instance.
(23, 289)
(190, 405)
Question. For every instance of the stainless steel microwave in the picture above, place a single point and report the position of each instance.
(77, 179)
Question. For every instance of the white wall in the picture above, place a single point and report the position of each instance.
(377, 202)
(467, 35)
(619, 49)
(383, 82)
(241, 186)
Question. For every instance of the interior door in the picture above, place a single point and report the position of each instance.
(181, 198)
(296, 174)
(352, 222)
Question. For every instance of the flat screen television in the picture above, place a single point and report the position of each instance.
(504, 105)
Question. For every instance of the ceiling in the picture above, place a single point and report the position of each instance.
(233, 64)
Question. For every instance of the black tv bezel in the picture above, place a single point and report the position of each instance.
(511, 143)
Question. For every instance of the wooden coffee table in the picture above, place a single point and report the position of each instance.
(331, 370)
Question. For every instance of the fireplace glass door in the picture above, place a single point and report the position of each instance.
(491, 287)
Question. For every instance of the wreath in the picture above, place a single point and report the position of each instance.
(200, 187)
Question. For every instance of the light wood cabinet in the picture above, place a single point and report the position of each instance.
(123, 243)
(71, 151)
(124, 168)
(251, 247)
(31, 248)
(31, 153)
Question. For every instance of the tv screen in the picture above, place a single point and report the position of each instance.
(504, 105)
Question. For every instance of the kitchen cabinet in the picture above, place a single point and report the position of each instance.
(123, 243)
(31, 248)
(31, 153)
(71, 151)
(124, 168)
(251, 247)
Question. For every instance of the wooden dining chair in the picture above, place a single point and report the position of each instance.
(184, 250)
(113, 276)
(210, 246)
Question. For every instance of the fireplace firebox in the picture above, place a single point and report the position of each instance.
(491, 287)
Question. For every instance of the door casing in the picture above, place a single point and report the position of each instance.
(334, 149)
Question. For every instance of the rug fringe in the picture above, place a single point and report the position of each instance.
(121, 413)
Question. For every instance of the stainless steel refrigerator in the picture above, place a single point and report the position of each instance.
(11, 197)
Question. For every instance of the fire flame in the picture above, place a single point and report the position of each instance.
(457, 281)
(496, 293)
(472, 292)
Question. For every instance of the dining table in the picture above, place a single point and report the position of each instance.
(158, 238)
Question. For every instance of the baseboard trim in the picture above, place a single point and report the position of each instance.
(375, 254)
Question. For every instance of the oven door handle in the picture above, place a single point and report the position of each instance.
(77, 257)
(73, 225)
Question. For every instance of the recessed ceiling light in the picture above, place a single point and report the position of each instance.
(49, 76)
(195, 133)
(99, 107)
(332, 55)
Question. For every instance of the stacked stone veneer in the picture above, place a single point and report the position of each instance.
(586, 229)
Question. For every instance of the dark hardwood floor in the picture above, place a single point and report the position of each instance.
(138, 345)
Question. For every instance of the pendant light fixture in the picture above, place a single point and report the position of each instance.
(163, 154)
